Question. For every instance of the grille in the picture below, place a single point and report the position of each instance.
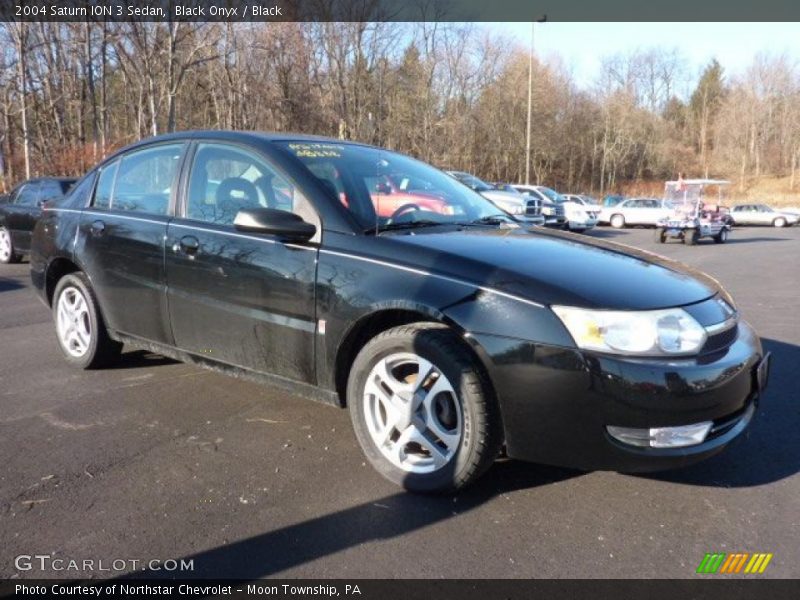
(559, 210)
(533, 207)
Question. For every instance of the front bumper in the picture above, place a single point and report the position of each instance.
(582, 225)
(554, 221)
(558, 402)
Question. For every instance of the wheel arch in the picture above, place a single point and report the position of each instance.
(56, 270)
(383, 318)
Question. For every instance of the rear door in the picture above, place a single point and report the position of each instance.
(243, 299)
(747, 215)
(121, 239)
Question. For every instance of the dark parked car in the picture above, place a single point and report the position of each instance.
(19, 211)
(447, 334)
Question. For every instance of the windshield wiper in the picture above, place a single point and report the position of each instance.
(410, 225)
(491, 220)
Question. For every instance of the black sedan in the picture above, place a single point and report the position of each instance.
(448, 331)
(20, 210)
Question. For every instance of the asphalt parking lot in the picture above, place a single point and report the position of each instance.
(157, 460)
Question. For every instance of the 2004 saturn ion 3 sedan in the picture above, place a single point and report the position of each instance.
(447, 328)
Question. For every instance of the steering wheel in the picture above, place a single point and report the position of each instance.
(402, 210)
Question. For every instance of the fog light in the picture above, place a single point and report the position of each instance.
(662, 437)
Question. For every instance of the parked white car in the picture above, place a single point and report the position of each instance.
(589, 204)
(636, 211)
(570, 214)
(761, 214)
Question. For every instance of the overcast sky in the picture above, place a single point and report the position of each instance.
(582, 45)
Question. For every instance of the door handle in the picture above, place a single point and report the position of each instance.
(188, 244)
(98, 227)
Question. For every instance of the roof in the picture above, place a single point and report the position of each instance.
(230, 135)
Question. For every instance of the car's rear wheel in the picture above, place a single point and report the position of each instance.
(82, 335)
(422, 410)
(691, 237)
(722, 236)
(7, 254)
(661, 235)
(779, 222)
(618, 221)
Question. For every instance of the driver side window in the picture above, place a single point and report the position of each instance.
(225, 179)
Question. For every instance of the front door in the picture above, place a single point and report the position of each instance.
(241, 298)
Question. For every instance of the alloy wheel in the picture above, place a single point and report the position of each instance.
(413, 413)
(73, 322)
(5, 246)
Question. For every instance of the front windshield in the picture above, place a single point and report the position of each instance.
(385, 190)
(553, 195)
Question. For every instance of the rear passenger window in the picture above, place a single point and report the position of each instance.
(29, 194)
(143, 182)
(51, 190)
(105, 185)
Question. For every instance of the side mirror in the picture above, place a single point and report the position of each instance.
(283, 224)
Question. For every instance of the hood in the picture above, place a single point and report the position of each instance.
(552, 267)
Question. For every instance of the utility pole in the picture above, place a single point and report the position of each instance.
(542, 19)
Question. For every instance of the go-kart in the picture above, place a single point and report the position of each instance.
(692, 219)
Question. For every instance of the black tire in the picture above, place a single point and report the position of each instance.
(9, 257)
(617, 221)
(779, 222)
(481, 431)
(691, 237)
(722, 236)
(660, 235)
(102, 351)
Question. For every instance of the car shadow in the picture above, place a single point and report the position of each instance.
(9, 285)
(605, 232)
(736, 240)
(140, 359)
(379, 519)
(768, 451)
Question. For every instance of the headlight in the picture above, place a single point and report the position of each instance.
(670, 332)
(517, 209)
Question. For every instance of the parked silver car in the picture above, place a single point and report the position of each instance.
(761, 214)
(636, 211)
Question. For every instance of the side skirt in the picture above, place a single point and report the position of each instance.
(299, 388)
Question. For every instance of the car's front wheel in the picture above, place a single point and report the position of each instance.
(722, 236)
(779, 222)
(7, 254)
(82, 335)
(422, 410)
